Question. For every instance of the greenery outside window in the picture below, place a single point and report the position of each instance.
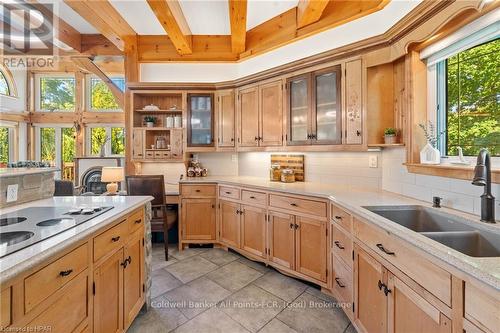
(101, 98)
(5, 144)
(57, 145)
(55, 93)
(112, 138)
(469, 100)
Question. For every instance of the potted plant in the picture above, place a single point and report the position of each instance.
(390, 136)
(150, 121)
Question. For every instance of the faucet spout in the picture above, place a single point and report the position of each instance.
(482, 177)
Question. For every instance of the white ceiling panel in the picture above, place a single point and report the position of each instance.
(72, 18)
(260, 11)
(207, 17)
(139, 16)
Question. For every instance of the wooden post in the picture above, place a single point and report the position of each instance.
(131, 75)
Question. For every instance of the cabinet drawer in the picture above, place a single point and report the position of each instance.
(5, 307)
(150, 154)
(342, 245)
(428, 275)
(158, 154)
(306, 206)
(342, 280)
(251, 197)
(110, 240)
(40, 285)
(198, 191)
(229, 192)
(165, 155)
(482, 307)
(135, 221)
(68, 311)
(342, 218)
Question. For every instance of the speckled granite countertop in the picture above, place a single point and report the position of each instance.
(24, 259)
(486, 270)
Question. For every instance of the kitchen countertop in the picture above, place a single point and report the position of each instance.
(486, 270)
(15, 172)
(24, 259)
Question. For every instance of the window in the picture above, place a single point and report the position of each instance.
(101, 98)
(469, 93)
(7, 84)
(57, 146)
(5, 142)
(4, 85)
(111, 139)
(48, 145)
(55, 93)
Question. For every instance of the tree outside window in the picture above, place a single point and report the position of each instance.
(101, 96)
(98, 138)
(48, 145)
(117, 141)
(473, 99)
(57, 94)
(4, 145)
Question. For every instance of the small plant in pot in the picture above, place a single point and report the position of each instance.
(150, 121)
(390, 136)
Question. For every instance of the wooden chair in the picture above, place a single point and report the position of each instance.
(154, 186)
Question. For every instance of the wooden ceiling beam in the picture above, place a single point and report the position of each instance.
(238, 20)
(309, 11)
(170, 15)
(105, 18)
(86, 64)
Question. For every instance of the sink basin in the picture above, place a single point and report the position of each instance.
(420, 219)
(471, 243)
(447, 229)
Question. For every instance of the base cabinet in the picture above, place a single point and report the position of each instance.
(198, 219)
(133, 277)
(253, 230)
(281, 235)
(229, 217)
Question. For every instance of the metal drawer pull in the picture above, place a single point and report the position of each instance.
(197, 190)
(252, 197)
(338, 217)
(337, 243)
(291, 225)
(227, 192)
(137, 221)
(293, 204)
(380, 285)
(386, 290)
(66, 273)
(381, 248)
(115, 239)
(297, 226)
(338, 283)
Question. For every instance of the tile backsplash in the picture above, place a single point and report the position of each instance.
(457, 194)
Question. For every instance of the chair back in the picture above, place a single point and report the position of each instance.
(152, 185)
(64, 188)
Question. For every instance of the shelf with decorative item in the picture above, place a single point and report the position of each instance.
(465, 172)
(385, 145)
(159, 111)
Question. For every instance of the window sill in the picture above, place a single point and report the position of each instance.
(450, 171)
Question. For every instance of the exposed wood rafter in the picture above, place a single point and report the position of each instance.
(170, 15)
(309, 11)
(88, 65)
(238, 20)
(105, 18)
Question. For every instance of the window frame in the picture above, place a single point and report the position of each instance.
(88, 92)
(37, 86)
(11, 83)
(107, 147)
(12, 144)
(58, 142)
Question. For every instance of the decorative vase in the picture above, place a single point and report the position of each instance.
(430, 155)
(102, 151)
(150, 124)
(390, 139)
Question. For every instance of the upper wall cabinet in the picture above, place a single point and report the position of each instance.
(200, 120)
(226, 119)
(261, 115)
(314, 108)
(353, 102)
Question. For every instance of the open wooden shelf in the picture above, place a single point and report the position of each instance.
(385, 145)
(465, 172)
(158, 111)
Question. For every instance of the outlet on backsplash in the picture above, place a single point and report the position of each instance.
(12, 192)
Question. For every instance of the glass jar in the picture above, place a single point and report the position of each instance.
(287, 176)
(275, 173)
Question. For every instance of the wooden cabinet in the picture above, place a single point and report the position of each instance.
(253, 230)
(176, 144)
(108, 294)
(353, 102)
(261, 115)
(311, 236)
(200, 120)
(198, 219)
(281, 235)
(226, 119)
(229, 218)
(138, 144)
(314, 108)
(481, 307)
(5, 307)
(133, 277)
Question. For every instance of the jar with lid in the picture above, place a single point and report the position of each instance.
(287, 176)
(275, 173)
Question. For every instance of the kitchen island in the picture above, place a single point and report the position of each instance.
(65, 280)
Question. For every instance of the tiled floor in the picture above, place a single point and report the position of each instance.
(212, 290)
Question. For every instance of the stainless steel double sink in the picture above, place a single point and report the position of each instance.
(447, 229)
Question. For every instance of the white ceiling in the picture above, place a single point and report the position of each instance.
(139, 16)
(72, 18)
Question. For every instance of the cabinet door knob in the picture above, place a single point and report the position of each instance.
(115, 239)
(252, 197)
(337, 243)
(293, 204)
(338, 217)
(387, 290)
(137, 221)
(297, 226)
(291, 225)
(337, 280)
(358, 132)
(65, 273)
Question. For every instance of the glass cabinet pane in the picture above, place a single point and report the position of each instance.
(327, 102)
(200, 120)
(299, 109)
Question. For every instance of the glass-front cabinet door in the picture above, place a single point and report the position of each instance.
(327, 122)
(299, 107)
(200, 118)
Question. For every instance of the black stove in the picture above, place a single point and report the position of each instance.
(27, 226)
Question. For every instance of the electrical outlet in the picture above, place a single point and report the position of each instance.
(12, 193)
(373, 161)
